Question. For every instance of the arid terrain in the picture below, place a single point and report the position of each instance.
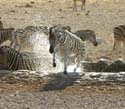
(25, 93)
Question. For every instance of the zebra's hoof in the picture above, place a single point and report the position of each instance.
(54, 64)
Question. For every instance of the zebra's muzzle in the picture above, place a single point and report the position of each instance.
(51, 49)
(95, 44)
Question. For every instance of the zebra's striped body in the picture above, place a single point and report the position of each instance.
(119, 38)
(8, 34)
(16, 60)
(87, 35)
(66, 45)
(83, 4)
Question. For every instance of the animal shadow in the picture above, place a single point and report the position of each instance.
(60, 81)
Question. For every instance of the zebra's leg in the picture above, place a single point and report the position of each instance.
(117, 44)
(74, 8)
(124, 49)
(83, 4)
(116, 47)
(54, 60)
(65, 65)
(77, 62)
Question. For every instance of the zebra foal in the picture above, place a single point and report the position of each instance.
(16, 60)
(83, 4)
(119, 38)
(67, 45)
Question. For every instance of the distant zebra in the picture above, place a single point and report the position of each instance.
(8, 34)
(83, 4)
(119, 38)
(16, 60)
(1, 25)
(87, 35)
(84, 35)
(67, 45)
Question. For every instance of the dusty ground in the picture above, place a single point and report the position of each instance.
(102, 18)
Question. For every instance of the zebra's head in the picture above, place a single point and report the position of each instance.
(91, 37)
(54, 37)
(3, 50)
(52, 40)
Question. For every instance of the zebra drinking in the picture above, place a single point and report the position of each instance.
(87, 35)
(67, 45)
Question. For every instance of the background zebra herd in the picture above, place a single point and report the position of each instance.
(62, 40)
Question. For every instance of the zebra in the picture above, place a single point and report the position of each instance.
(83, 4)
(87, 35)
(84, 35)
(119, 37)
(1, 25)
(67, 45)
(16, 60)
(8, 34)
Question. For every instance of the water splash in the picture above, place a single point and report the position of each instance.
(40, 45)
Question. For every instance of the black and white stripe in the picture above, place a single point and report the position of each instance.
(119, 36)
(66, 44)
(15, 60)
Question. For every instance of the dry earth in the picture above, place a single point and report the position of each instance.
(100, 17)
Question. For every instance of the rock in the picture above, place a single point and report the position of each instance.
(28, 5)
(104, 66)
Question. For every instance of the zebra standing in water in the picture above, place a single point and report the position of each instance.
(84, 35)
(66, 45)
(16, 60)
(119, 38)
(8, 34)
